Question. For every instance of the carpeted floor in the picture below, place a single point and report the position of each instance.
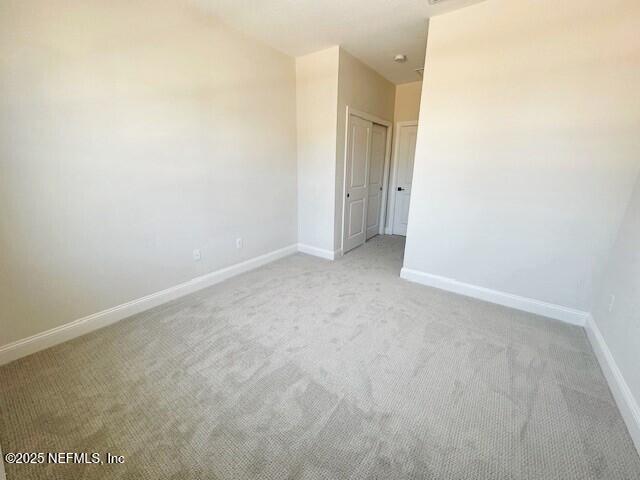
(309, 369)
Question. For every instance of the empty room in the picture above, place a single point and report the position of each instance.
(320, 240)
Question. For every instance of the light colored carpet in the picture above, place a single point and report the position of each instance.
(308, 369)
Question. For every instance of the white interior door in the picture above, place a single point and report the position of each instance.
(356, 182)
(376, 175)
(404, 175)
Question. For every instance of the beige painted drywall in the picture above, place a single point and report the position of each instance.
(617, 306)
(316, 106)
(528, 145)
(407, 104)
(132, 133)
(363, 89)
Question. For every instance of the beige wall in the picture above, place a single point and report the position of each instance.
(529, 146)
(363, 89)
(132, 133)
(317, 94)
(407, 105)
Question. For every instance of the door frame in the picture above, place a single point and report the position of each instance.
(385, 169)
(388, 229)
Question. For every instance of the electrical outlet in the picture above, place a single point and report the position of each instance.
(196, 255)
(612, 302)
(238, 242)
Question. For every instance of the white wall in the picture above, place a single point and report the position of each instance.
(132, 133)
(620, 326)
(363, 89)
(317, 103)
(528, 145)
(407, 104)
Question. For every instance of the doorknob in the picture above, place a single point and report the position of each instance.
(400, 189)
(348, 195)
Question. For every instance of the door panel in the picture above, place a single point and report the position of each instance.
(404, 175)
(403, 217)
(358, 166)
(356, 212)
(376, 173)
(357, 170)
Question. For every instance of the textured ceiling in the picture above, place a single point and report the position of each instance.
(372, 30)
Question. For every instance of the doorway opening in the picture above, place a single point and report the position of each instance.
(366, 178)
(404, 152)
(377, 185)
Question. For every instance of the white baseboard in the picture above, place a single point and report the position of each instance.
(49, 338)
(319, 252)
(627, 404)
(557, 312)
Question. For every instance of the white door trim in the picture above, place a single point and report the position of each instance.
(394, 174)
(387, 161)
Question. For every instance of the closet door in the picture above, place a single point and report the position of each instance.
(376, 173)
(356, 182)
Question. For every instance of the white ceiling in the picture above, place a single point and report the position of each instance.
(372, 30)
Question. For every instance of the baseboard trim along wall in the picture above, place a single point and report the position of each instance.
(319, 252)
(557, 312)
(54, 336)
(627, 404)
